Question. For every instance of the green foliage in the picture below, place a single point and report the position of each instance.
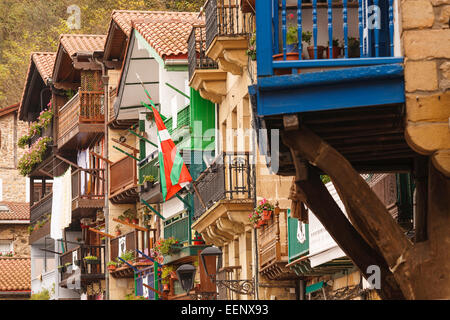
(43, 295)
(163, 246)
(90, 258)
(33, 156)
(165, 275)
(292, 35)
(127, 256)
(149, 178)
(35, 25)
(132, 296)
(306, 37)
(325, 179)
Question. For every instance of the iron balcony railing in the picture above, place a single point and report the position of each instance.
(318, 34)
(224, 18)
(229, 177)
(196, 51)
(74, 259)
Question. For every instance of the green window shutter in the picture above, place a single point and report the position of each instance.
(142, 152)
(178, 228)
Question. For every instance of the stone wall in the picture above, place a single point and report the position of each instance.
(426, 39)
(14, 185)
(19, 235)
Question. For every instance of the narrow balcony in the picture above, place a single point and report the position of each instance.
(227, 29)
(150, 191)
(273, 248)
(129, 242)
(80, 120)
(123, 185)
(204, 73)
(88, 189)
(226, 198)
(75, 269)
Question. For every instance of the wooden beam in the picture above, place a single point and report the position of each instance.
(101, 233)
(420, 214)
(135, 226)
(100, 157)
(154, 290)
(341, 230)
(123, 144)
(370, 213)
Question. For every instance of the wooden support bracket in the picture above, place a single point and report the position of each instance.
(101, 233)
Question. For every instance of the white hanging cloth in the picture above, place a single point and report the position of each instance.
(301, 232)
(61, 204)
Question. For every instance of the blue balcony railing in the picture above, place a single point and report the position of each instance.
(364, 28)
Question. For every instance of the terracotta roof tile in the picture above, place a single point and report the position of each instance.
(168, 36)
(15, 274)
(124, 18)
(74, 43)
(44, 62)
(14, 211)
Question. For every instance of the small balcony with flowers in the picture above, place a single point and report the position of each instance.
(337, 67)
(271, 226)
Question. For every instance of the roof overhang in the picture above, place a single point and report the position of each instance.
(130, 93)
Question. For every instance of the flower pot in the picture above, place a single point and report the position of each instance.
(353, 52)
(148, 185)
(198, 242)
(112, 268)
(136, 221)
(290, 56)
(336, 52)
(261, 223)
(127, 220)
(266, 215)
(118, 233)
(89, 261)
(165, 287)
(320, 50)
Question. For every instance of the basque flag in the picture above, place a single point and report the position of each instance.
(174, 174)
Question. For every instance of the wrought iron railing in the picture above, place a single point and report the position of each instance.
(335, 33)
(74, 259)
(224, 18)
(196, 51)
(229, 177)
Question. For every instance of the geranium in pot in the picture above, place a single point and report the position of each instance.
(165, 276)
(167, 246)
(111, 265)
(255, 218)
(266, 208)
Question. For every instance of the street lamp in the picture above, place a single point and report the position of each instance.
(212, 252)
(237, 286)
(186, 275)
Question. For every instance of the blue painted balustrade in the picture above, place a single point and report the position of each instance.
(369, 21)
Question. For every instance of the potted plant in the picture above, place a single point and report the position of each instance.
(251, 52)
(118, 231)
(292, 44)
(353, 48)
(167, 246)
(130, 216)
(307, 36)
(149, 181)
(111, 265)
(91, 260)
(255, 218)
(165, 276)
(336, 49)
(198, 239)
(62, 269)
(128, 256)
(265, 208)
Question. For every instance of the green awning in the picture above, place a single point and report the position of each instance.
(314, 287)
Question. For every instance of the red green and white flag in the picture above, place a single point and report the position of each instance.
(174, 174)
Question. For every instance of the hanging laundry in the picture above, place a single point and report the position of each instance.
(61, 204)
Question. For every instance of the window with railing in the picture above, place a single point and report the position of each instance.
(88, 183)
(74, 261)
(123, 174)
(151, 168)
(298, 34)
(197, 51)
(229, 177)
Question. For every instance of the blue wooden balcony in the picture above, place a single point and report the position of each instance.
(346, 56)
(337, 66)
